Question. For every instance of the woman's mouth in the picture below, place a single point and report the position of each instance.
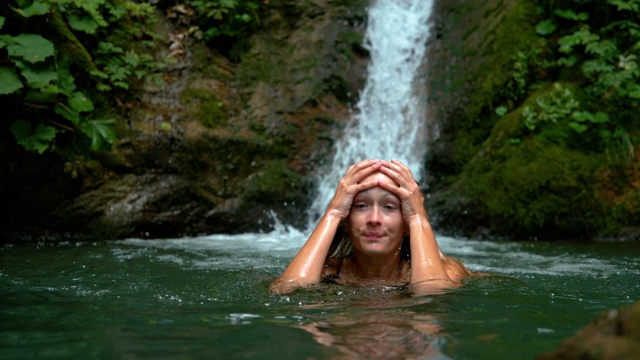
(373, 235)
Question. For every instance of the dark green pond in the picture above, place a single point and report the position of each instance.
(208, 298)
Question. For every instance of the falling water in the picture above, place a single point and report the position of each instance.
(390, 116)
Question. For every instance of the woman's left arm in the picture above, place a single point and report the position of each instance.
(428, 263)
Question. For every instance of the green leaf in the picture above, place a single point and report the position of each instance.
(546, 27)
(501, 110)
(228, 3)
(577, 127)
(582, 116)
(99, 74)
(626, 5)
(103, 87)
(601, 48)
(244, 17)
(83, 23)
(107, 48)
(31, 47)
(37, 140)
(99, 131)
(585, 36)
(117, 72)
(80, 103)
(66, 81)
(634, 91)
(121, 84)
(1, 21)
(46, 94)
(36, 8)
(568, 61)
(570, 15)
(567, 43)
(5, 40)
(67, 113)
(600, 118)
(9, 81)
(131, 58)
(597, 66)
(37, 75)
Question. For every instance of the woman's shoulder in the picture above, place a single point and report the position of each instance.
(455, 269)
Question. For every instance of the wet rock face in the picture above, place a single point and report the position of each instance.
(226, 144)
(613, 335)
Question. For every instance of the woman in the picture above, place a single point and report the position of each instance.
(374, 231)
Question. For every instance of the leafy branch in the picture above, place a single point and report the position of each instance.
(606, 55)
(41, 42)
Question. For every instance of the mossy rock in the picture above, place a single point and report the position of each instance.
(205, 107)
(472, 70)
(533, 190)
(282, 190)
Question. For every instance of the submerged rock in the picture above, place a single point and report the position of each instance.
(615, 334)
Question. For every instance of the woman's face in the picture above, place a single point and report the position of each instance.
(375, 223)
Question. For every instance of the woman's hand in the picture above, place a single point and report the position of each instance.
(408, 190)
(350, 185)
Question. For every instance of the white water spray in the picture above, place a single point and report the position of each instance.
(390, 120)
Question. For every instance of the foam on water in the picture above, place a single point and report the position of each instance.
(258, 250)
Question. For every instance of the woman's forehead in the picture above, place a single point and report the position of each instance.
(375, 192)
(379, 176)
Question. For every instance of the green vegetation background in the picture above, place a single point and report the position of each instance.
(546, 145)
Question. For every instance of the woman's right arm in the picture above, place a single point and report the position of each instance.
(307, 266)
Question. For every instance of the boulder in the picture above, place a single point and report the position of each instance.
(615, 334)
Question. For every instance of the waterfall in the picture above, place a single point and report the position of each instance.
(389, 120)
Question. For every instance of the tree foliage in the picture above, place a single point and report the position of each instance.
(594, 45)
(564, 123)
(229, 18)
(55, 55)
(58, 57)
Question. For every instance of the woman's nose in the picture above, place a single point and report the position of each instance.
(374, 215)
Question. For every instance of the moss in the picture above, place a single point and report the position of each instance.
(204, 106)
(334, 84)
(284, 191)
(484, 51)
(514, 32)
(275, 183)
(356, 8)
(535, 190)
(210, 63)
(351, 37)
(627, 211)
(533, 183)
(258, 68)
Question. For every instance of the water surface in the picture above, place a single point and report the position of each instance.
(208, 297)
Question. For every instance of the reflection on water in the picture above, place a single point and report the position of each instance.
(208, 297)
(379, 334)
(365, 322)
